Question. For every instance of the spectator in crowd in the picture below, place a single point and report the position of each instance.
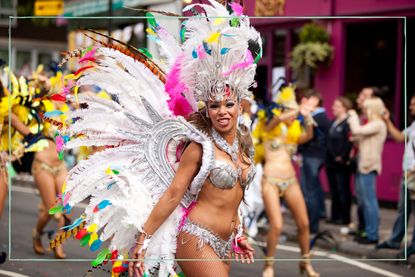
(313, 157)
(338, 162)
(366, 93)
(370, 139)
(398, 231)
(369, 92)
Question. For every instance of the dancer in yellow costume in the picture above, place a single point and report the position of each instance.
(30, 104)
(12, 108)
(276, 138)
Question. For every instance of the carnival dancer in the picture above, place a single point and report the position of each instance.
(49, 172)
(279, 136)
(163, 187)
(21, 138)
(15, 136)
(16, 145)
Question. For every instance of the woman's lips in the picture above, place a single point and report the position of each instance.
(223, 122)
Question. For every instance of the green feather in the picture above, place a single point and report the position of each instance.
(101, 257)
(145, 52)
(151, 20)
(259, 56)
(56, 209)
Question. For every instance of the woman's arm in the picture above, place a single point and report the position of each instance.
(19, 126)
(189, 166)
(307, 135)
(396, 134)
(278, 119)
(190, 163)
(368, 129)
(309, 126)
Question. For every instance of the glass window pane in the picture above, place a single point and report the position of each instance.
(6, 4)
(44, 59)
(279, 47)
(4, 56)
(22, 62)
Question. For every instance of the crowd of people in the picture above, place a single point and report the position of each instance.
(349, 144)
(173, 154)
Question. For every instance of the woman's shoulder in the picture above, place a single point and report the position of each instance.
(193, 151)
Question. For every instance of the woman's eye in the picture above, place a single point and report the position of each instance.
(214, 106)
(230, 104)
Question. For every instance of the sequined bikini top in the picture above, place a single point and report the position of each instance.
(224, 176)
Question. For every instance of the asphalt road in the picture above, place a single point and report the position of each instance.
(23, 262)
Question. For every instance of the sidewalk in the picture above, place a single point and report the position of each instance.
(344, 242)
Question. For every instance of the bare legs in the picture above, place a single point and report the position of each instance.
(49, 186)
(188, 248)
(272, 206)
(3, 189)
(295, 201)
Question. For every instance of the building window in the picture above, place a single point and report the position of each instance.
(7, 8)
(371, 59)
(280, 37)
(23, 59)
(44, 59)
(4, 56)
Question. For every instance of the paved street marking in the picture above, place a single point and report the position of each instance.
(334, 257)
(363, 265)
(11, 273)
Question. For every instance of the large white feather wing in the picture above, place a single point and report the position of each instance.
(139, 135)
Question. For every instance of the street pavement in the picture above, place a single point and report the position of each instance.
(22, 261)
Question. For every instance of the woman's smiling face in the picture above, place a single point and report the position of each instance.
(224, 114)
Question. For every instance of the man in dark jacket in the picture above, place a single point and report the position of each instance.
(313, 156)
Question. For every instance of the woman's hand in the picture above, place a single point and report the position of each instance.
(245, 253)
(386, 115)
(136, 268)
(305, 110)
(352, 112)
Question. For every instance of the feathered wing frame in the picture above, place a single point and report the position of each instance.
(141, 128)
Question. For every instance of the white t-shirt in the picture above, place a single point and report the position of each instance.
(409, 155)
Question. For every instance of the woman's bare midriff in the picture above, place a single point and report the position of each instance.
(216, 209)
(48, 155)
(278, 162)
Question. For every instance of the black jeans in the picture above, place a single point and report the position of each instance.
(338, 175)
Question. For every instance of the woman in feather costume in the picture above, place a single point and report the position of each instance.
(175, 166)
(19, 133)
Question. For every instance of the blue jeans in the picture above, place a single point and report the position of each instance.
(398, 230)
(312, 191)
(367, 201)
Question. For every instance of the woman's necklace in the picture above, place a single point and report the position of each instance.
(232, 151)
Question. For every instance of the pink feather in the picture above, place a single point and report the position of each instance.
(201, 53)
(237, 9)
(249, 60)
(178, 104)
(186, 212)
(88, 55)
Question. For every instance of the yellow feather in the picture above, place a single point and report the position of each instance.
(213, 37)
